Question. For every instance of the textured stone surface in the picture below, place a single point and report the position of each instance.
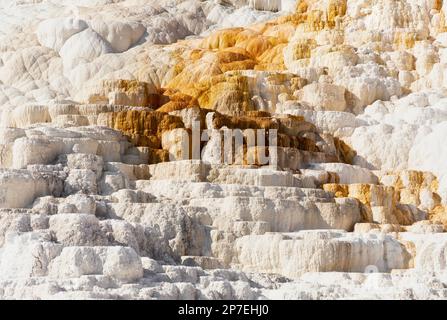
(103, 196)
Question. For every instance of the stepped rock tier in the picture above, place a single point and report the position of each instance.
(237, 149)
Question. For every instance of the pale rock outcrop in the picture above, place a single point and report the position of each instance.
(374, 286)
(426, 227)
(27, 255)
(75, 229)
(85, 161)
(34, 150)
(83, 47)
(285, 215)
(74, 203)
(96, 95)
(81, 180)
(382, 204)
(120, 35)
(323, 96)
(53, 33)
(366, 84)
(326, 121)
(294, 254)
(178, 144)
(269, 5)
(19, 188)
(348, 173)
(185, 234)
(25, 115)
(121, 263)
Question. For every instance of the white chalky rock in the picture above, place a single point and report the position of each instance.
(367, 83)
(177, 142)
(112, 182)
(324, 96)
(19, 188)
(27, 255)
(430, 250)
(269, 5)
(121, 233)
(81, 180)
(77, 229)
(85, 161)
(75, 262)
(24, 116)
(185, 234)
(83, 203)
(53, 33)
(34, 150)
(120, 35)
(347, 173)
(83, 47)
(426, 227)
(121, 263)
(87, 214)
(310, 251)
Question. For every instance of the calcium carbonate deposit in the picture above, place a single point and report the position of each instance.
(223, 149)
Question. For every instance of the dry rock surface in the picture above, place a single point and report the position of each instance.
(100, 198)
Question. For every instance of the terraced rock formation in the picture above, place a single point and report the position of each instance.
(115, 179)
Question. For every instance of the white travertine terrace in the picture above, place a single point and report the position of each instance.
(95, 96)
